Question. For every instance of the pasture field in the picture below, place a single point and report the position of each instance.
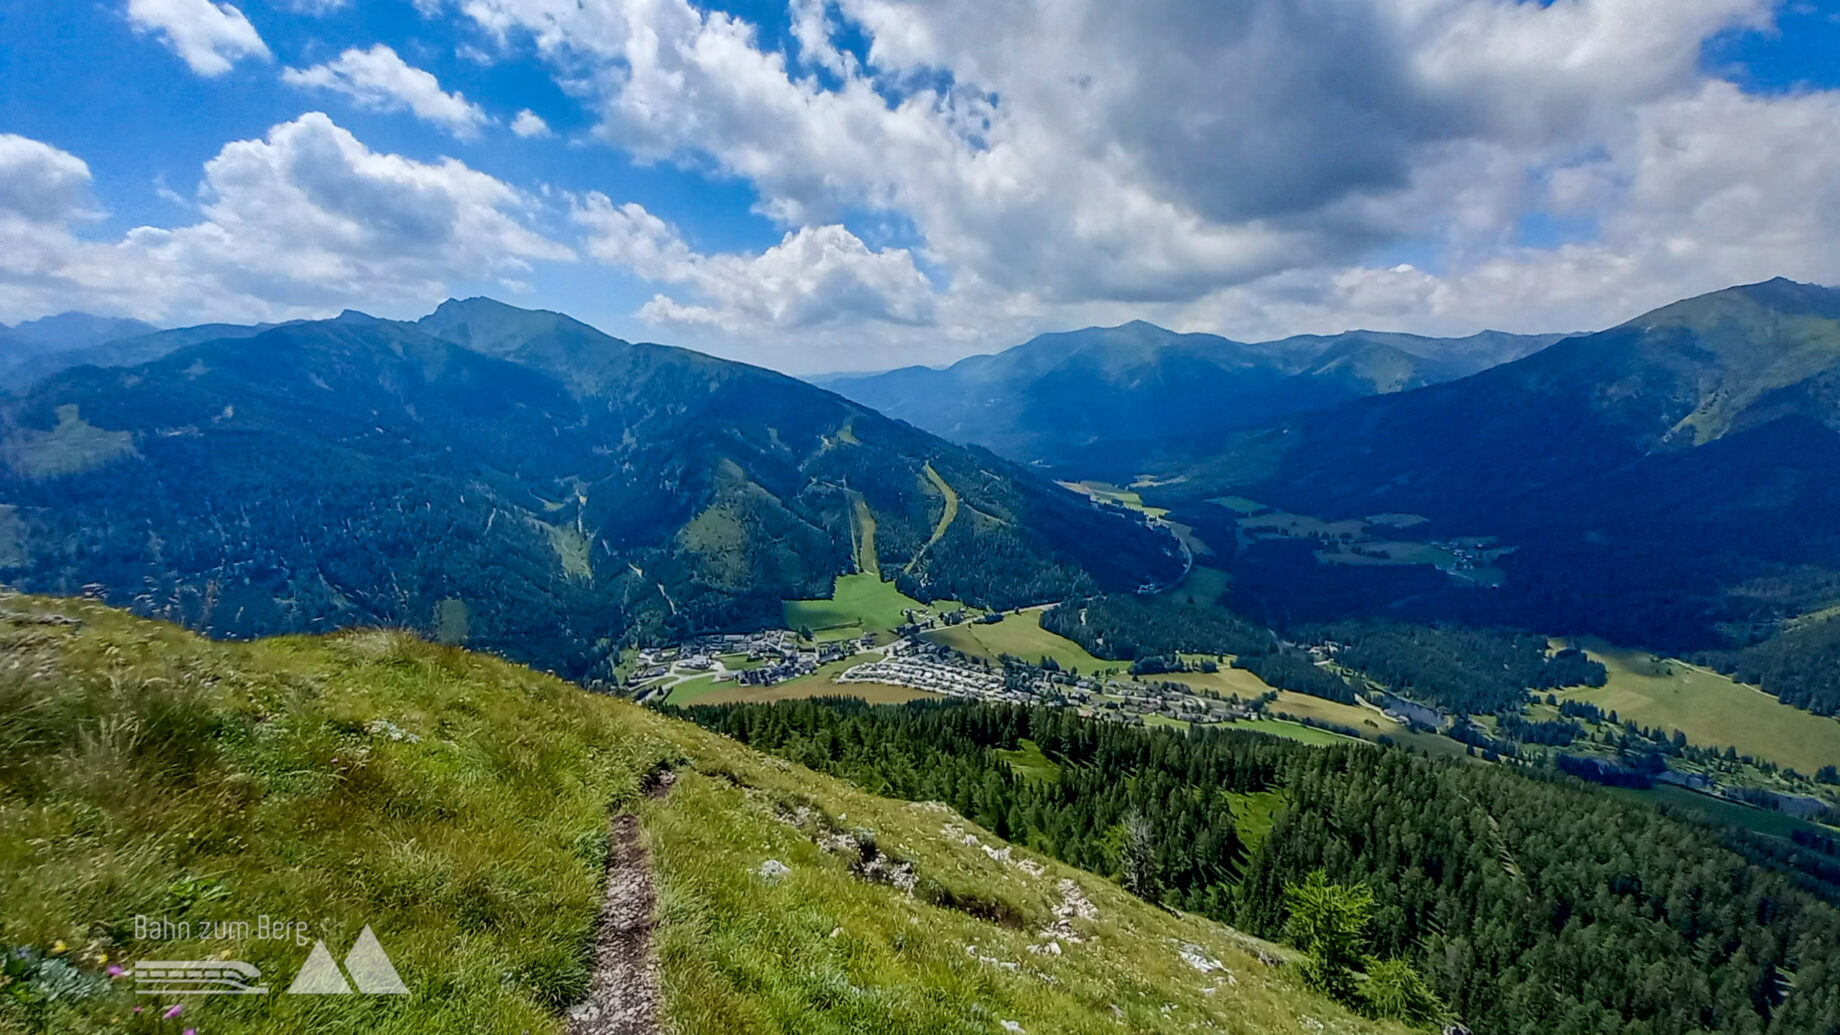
(1297, 526)
(859, 603)
(1202, 586)
(1022, 636)
(1109, 493)
(1709, 708)
(692, 690)
(1196, 545)
(72, 447)
(1239, 505)
(1228, 682)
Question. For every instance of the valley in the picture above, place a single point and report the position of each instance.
(888, 517)
(717, 543)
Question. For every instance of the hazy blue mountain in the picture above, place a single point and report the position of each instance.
(73, 330)
(554, 498)
(1662, 477)
(121, 352)
(1109, 400)
(54, 336)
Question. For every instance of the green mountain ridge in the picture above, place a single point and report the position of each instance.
(572, 493)
(1113, 400)
(1660, 479)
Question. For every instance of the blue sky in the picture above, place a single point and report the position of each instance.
(860, 184)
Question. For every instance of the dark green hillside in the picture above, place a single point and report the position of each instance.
(1800, 664)
(550, 505)
(1659, 480)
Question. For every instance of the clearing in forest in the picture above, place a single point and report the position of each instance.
(945, 519)
(862, 536)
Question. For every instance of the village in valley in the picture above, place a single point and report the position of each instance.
(911, 659)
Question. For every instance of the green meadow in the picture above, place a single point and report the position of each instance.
(1712, 710)
(1021, 635)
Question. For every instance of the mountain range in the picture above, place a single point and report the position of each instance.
(1108, 401)
(46, 345)
(1661, 481)
(513, 479)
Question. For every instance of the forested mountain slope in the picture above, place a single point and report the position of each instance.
(574, 494)
(1659, 480)
(1532, 906)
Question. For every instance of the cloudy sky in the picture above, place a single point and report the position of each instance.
(860, 184)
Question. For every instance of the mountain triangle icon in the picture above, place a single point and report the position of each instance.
(370, 969)
(320, 976)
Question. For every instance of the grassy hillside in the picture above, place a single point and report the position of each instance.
(460, 807)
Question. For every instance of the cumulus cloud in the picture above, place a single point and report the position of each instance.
(1140, 152)
(379, 79)
(1229, 167)
(210, 37)
(301, 222)
(529, 124)
(39, 183)
(815, 275)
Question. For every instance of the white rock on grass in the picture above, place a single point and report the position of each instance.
(1194, 957)
(772, 871)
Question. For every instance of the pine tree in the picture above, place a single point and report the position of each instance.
(1328, 922)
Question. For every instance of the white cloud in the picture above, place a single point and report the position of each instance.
(814, 276)
(1220, 166)
(1231, 167)
(210, 37)
(318, 8)
(39, 183)
(302, 222)
(529, 124)
(1195, 144)
(377, 78)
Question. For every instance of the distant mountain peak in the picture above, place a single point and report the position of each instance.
(479, 304)
(74, 330)
(1778, 296)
